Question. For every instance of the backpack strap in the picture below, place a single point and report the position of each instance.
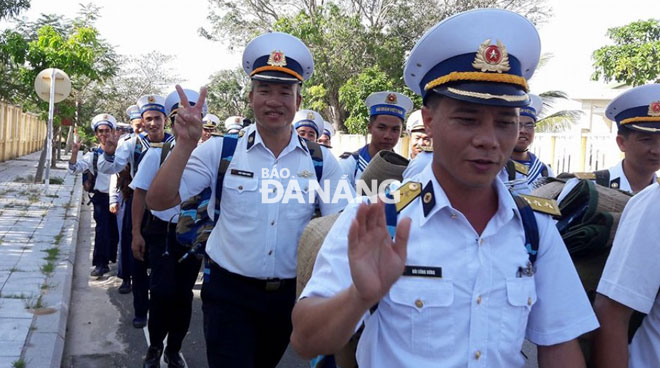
(603, 177)
(228, 149)
(511, 169)
(317, 158)
(529, 226)
(95, 162)
(164, 151)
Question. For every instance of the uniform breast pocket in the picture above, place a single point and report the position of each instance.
(521, 296)
(240, 197)
(299, 203)
(427, 317)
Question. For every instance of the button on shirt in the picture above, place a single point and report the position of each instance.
(255, 238)
(481, 309)
(146, 173)
(102, 183)
(631, 275)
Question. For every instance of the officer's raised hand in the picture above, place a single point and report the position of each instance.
(376, 261)
(188, 126)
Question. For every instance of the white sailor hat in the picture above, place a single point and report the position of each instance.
(210, 121)
(328, 129)
(121, 125)
(389, 103)
(172, 101)
(483, 56)
(278, 57)
(637, 108)
(151, 103)
(104, 119)
(133, 112)
(415, 121)
(309, 118)
(234, 123)
(533, 110)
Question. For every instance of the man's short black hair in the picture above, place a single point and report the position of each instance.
(624, 132)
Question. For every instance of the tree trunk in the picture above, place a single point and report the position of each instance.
(39, 176)
(69, 140)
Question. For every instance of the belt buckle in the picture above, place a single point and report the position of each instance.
(272, 285)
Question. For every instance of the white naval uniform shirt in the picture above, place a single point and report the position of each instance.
(616, 173)
(632, 276)
(102, 183)
(479, 312)
(353, 167)
(526, 183)
(252, 238)
(146, 173)
(124, 154)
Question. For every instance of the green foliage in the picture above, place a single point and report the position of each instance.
(634, 58)
(355, 91)
(347, 38)
(228, 94)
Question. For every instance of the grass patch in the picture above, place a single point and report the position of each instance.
(52, 253)
(18, 363)
(48, 268)
(33, 303)
(58, 238)
(56, 180)
(34, 197)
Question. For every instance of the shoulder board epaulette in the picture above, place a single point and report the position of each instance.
(542, 205)
(241, 133)
(345, 155)
(217, 134)
(658, 180)
(585, 175)
(521, 168)
(156, 145)
(426, 148)
(128, 137)
(407, 193)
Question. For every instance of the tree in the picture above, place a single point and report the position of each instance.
(228, 94)
(346, 36)
(11, 8)
(634, 58)
(558, 121)
(74, 46)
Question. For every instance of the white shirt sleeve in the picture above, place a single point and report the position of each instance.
(146, 170)
(112, 191)
(201, 170)
(417, 165)
(82, 163)
(631, 275)
(562, 311)
(113, 164)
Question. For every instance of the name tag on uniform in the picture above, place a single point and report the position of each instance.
(422, 271)
(247, 174)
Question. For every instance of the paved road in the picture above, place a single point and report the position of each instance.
(100, 333)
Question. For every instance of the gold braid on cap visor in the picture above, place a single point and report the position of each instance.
(277, 69)
(478, 77)
(641, 119)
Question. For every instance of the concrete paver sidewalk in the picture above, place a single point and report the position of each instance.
(37, 237)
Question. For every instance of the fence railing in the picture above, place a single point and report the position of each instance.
(577, 152)
(21, 133)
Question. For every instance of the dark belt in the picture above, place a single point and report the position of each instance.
(267, 284)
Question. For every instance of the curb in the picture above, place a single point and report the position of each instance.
(44, 345)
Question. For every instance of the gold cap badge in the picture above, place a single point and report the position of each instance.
(391, 98)
(492, 58)
(310, 116)
(276, 58)
(151, 99)
(654, 108)
(237, 120)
